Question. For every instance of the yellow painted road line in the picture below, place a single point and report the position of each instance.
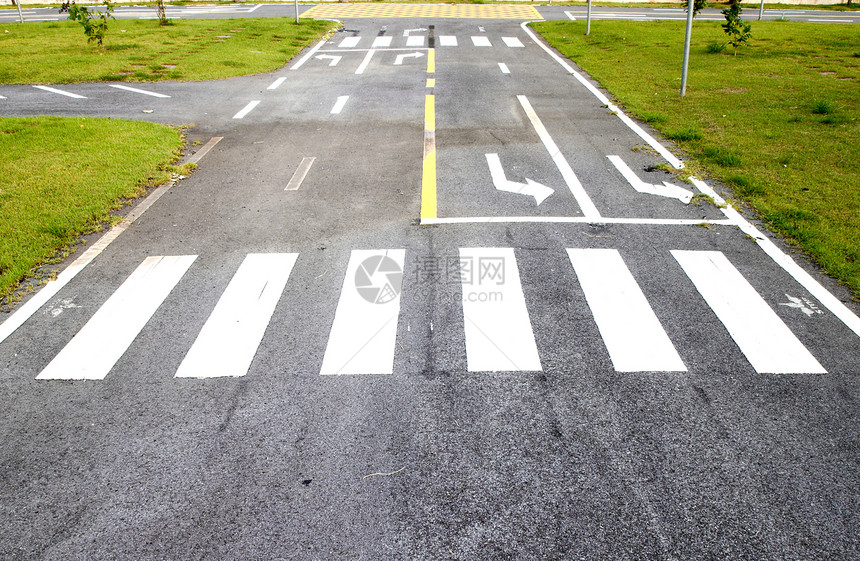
(461, 11)
(431, 82)
(428, 179)
(431, 61)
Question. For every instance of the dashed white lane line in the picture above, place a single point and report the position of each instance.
(634, 337)
(247, 109)
(300, 174)
(339, 104)
(277, 83)
(230, 337)
(504, 68)
(95, 349)
(365, 62)
(137, 90)
(481, 41)
(447, 40)
(513, 42)
(60, 92)
(762, 336)
(498, 331)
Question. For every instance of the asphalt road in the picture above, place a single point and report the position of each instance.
(409, 308)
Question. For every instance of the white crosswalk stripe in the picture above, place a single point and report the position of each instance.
(497, 330)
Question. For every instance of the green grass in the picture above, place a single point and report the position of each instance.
(143, 50)
(779, 122)
(62, 178)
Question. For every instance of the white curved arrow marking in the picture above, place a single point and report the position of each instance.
(531, 188)
(399, 60)
(333, 58)
(665, 190)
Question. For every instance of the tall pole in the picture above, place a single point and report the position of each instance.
(687, 48)
(297, 11)
(21, 15)
(588, 19)
(761, 10)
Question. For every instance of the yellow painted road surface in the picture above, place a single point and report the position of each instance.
(461, 11)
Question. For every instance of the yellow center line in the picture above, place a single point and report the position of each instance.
(428, 179)
(431, 61)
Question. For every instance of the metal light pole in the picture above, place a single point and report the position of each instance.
(761, 10)
(297, 11)
(687, 48)
(588, 19)
(21, 15)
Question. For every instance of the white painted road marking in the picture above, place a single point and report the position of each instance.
(277, 83)
(247, 109)
(339, 104)
(666, 190)
(349, 42)
(498, 331)
(136, 90)
(504, 68)
(415, 41)
(365, 62)
(762, 336)
(381, 42)
(300, 174)
(333, 58)
(481, 41)
(447, 41)
(61, 92)
(308, 55)
(230, 337)
(513, 42)
(92, 353)
(205, 149)
(576, 188)
(570, 15)
(363, 334)
(502, 183)
(399, 59)
(633, 336)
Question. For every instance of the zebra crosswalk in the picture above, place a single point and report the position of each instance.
(497, 326)
(358, 42)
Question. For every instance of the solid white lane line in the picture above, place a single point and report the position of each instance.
(364, 332)
(481, 41)
(308, 55)
(339, 104)
(662, 150)
(247, 109)
(634, 337)
(496, 322)
(365, 62)
(205, 149)
(136, 90)
(300, 174)
(277, 83)
(762, 336)
(573, 220)
(107, 335)
(381, 42)
(349, 42)
(504, 68)
(576, 188)
(415, 41)
(61, 92)
(230, 337)
(447, 40)
(513, 42)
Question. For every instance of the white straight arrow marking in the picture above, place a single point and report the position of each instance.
(399, 60)
(333, 58)
(666, 190)
(532, 188)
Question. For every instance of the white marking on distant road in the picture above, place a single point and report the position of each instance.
(339, 104)
(500, 182)
(576, 188)
(496, 322)
(333, 58)
(666, 190)
(230, 337)
(381, 42)
(573, 220)
(247, 109)
(364, 63)
(277, 83)
(95, 349)
(513, 42)
(762, 336)
(481, 41)
(136, 90)
(408, 32)
(349, 42)
(254, 8)
(504, 68)
(829, 20)
(308, 55)
(447, 40)
(634, 337)
(415, 41)
(399, 60)
(205, 149)
(570, 15)
(662, 150)
(364, 334)
(61, 92)
(300, 174)
(3, 97)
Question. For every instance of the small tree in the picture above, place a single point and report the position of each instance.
(698, 6)
(738, 31)
(94, 23)
(161, 13)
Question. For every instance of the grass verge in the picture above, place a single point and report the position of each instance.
(778, 122)
(143, 50)
(63, 177)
